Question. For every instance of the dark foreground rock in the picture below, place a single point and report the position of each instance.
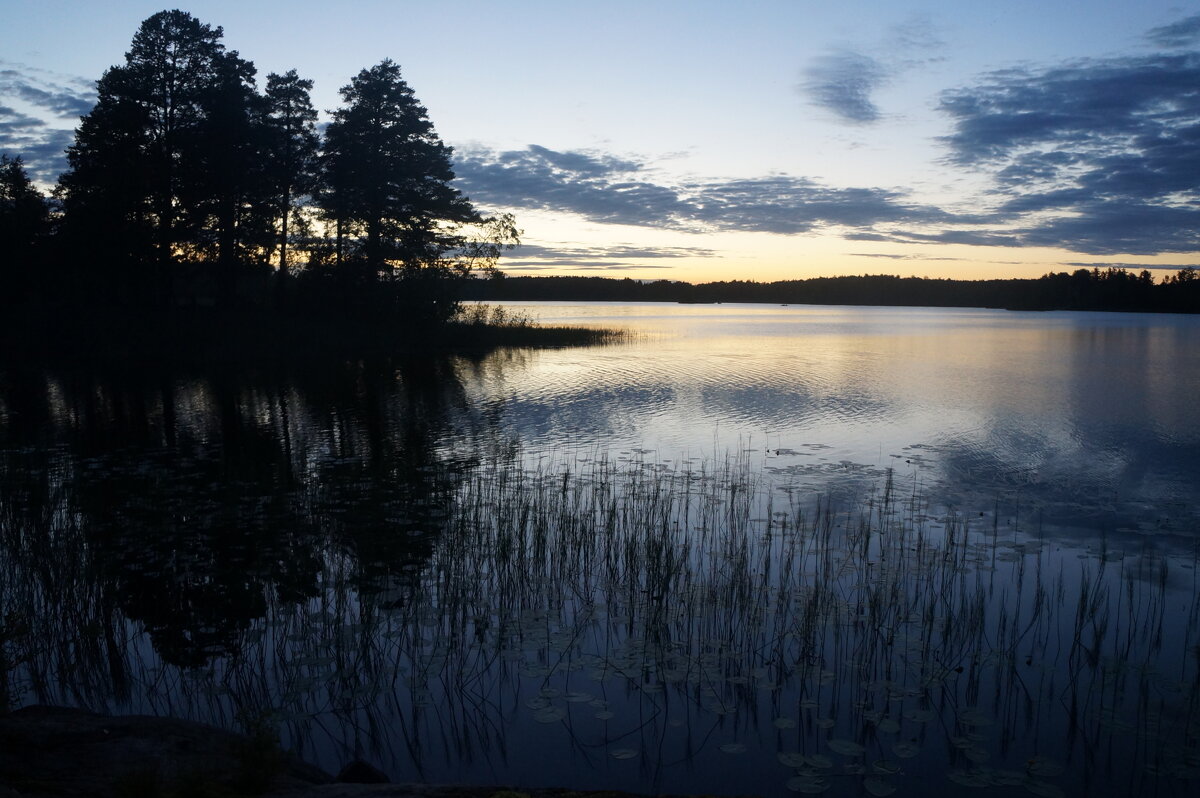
(56, 751)
(72, 752)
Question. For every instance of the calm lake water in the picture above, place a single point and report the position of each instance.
(746, 550)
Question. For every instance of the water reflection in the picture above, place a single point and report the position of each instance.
(196, 503)
(870, 553)
(1080, 420)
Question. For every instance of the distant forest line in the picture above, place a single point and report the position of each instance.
(1111, 289)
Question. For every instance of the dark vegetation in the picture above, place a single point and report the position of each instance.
(200, 212)
(1110, 289)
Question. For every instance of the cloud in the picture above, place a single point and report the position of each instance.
(582, 265)
(891, 256)
(1116, 228)
(843, 82)
(1184, 33)
(1100, 156)
(607, 189)
(976, 238)
(58, 100)
(597, 186)
(38, 113)
(533, 257)
(915, 42)
(41, 147)
(614, 251)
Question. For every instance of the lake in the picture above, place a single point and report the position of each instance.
(745, 549)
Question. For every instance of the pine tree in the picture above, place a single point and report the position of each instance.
(163, 168)
(387, 178)
(292, 153)
(24, 222)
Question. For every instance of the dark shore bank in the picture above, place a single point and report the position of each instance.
(73, 753)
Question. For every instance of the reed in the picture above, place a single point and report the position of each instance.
(606, 608)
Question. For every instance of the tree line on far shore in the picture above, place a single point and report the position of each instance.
(188, 184)
(1084, 289)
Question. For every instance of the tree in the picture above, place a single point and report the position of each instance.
(292, 151)
(387, 177)
(162, 169)
(231, 188)
(24, 221)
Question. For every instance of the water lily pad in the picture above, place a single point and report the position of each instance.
(888, 726)
(734, 748)
(845, 747)
(974, 717)
(623, 753)
(968, 778)
(819, 761)
(792, 759)
(976, 755)
(885, 767)
(807, 785)
(784, 723)
(825, 723)
(1043, 768)
(906, 750)
(537, 702)
(604, 714)
(550, 715)
(877, 786)
(578, 698)
(1008, 778)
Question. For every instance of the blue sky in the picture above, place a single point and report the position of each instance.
(757, 140)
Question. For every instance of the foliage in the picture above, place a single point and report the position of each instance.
(292, 154)
(388, 174)
(188, 186)
(166, 169)
(24, 223)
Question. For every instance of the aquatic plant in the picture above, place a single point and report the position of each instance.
(605, 609)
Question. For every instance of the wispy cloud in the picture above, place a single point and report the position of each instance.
(893, 256)
(54, 103)
(618, 257)
(1100, 156)
(843, 83)
(1184, 33)
(845, 80)
(607, 189)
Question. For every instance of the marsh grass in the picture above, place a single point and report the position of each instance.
(721, 631)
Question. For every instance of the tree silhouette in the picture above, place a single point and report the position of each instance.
(231, 185)
(161, 170)
(292, 153)
(24, 221)
(388, 177)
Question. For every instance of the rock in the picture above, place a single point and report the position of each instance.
(73, 752)
(360, 772)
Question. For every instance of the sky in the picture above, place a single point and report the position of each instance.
(757, 140)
